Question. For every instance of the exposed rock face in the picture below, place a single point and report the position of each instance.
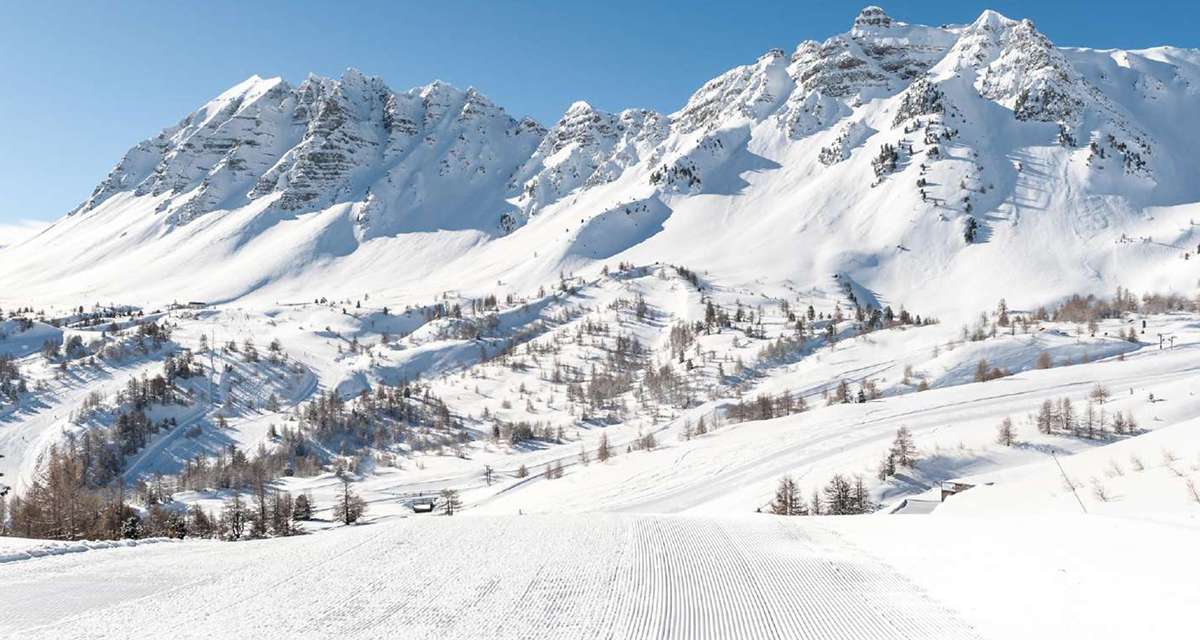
(585, 148)
(1019, 68)
(228, 142)
(749, 92)
(322, 142)
(872, 17)
(436, 157)
(915, 159)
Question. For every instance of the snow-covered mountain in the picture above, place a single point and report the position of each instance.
(979, 160)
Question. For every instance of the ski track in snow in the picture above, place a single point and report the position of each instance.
(448, 578)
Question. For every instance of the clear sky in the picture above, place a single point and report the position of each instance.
(83, 82)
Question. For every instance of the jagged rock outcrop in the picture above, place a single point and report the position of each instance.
(322, 142)
(746, 93)
(887, 134)
(587, 147)
(354, 140)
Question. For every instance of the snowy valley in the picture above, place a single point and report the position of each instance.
(893, 335)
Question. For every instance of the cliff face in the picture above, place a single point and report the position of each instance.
(982, 143)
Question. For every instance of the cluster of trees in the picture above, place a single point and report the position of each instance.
(682, 172)
(12, 383)
(1092, 422)
(22, 322)
(115, 346)
(79, 318)
(766, 407)
(80, 473)
(867, 390)
(524, 431)
(1063, 417)
(623, 367)
(141, 393)
(232, 468)
(62, 503)
(921, 98)
(667, 386)
(970, 228)
(405, 413)
(94, 458)
(841, 496)
(133, 429)
(1082, 309)
(267, 513)
(1085, 311)
(688, 275)
(101, 450)
(985, 372)
(553, 471)
(902, 454)
(151, 336)
(844, 495)
(601, 388)
(885, 162)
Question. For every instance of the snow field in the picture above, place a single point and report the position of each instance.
(1047, 575)
(738, 187)
(518, 577)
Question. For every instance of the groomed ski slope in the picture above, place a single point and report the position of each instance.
(516, 577)
(1028, 576)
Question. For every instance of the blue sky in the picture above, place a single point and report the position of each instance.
(85, 81)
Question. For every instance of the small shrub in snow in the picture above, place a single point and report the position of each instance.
(1044, 361)
(1005, 434)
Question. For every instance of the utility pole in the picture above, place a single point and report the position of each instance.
(1069, 483)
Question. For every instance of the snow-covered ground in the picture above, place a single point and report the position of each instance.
(530, 577)
(414, 292)
(666, 543)
(594, 576)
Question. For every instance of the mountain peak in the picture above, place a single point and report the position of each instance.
(872, 16)
(252, 86)
(841, 113)
(993, 20)
(439, 88)
(579, 107)
(354, 76)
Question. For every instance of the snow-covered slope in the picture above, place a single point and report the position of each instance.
(979, 159)
(532, 577)
(604, 576)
